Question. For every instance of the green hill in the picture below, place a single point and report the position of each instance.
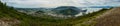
(25, 20)
(8, 14)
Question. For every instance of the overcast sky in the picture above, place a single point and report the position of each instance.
(56, 3)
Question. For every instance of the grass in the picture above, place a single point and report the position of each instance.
(89, 17)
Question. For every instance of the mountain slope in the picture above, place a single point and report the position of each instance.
(6, 14)
(10, 17)
(110, 18)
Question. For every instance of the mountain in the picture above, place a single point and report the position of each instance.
(11, 17)
(58, 11)
(68, 10)
(101, 7)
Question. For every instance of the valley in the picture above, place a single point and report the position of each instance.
(9, 16)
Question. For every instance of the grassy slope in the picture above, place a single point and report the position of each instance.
(27, 20)
(85, 18)
(88, 20)
(110, 18)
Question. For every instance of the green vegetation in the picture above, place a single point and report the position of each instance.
(27, 20)
(68, 12)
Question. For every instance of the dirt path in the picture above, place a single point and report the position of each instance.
(110, 18)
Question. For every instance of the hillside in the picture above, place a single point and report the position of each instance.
(10, 17)
(110, 18)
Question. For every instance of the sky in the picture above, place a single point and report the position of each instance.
(56, 3)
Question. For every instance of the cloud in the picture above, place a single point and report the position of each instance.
(55, 3)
